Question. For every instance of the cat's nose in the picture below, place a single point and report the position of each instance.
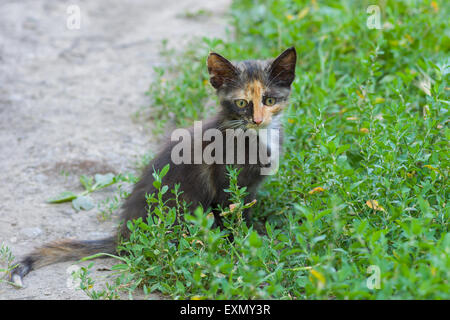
(257, 121)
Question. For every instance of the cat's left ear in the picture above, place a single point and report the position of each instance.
(282, 69)
(220, 70)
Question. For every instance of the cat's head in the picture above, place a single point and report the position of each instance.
(252, 93)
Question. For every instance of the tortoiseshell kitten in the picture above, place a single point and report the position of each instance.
(252, 95)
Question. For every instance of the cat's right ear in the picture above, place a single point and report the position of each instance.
(282, 69)
(220, 70)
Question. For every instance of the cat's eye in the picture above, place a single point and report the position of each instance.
(241, 103)
(269, 101)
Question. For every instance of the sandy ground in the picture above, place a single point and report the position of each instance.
(66, 104)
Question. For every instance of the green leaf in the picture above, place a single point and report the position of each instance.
(83, 203)
(156, 184)
(104, 180)
(86, 181)
(180, 286)
(255, 240)
(63, 197)
(269, 229)
(164, 170)
(343, 148)
(119, 267)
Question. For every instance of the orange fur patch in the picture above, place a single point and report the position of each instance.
(254, 92)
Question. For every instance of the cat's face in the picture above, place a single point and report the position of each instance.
(252, 93)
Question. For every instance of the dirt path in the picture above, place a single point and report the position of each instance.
(66, 100)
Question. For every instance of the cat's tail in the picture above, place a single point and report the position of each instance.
(60, 251)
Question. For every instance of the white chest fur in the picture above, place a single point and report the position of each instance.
(269, 146)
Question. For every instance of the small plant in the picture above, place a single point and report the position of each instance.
(6, 261)
(86, 283)
(83, 201)
(179, 254)
(111, 204)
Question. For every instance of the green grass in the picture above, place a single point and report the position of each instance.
(363, 179)
(6, 263)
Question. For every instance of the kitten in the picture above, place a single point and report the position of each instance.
(252, 95)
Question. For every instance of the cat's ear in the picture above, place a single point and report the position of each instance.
(220, 70)
(282, 69)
